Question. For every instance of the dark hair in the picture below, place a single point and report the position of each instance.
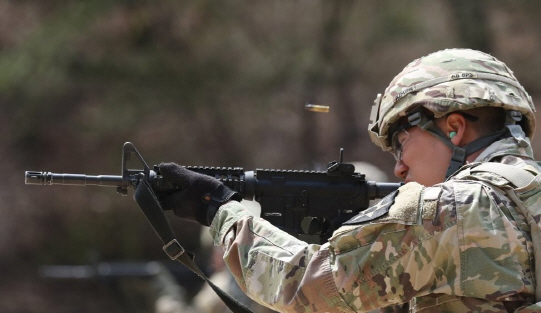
(485, 120)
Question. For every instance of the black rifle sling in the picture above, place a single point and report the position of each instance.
(149, 204)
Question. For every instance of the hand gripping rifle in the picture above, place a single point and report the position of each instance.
(307, 204)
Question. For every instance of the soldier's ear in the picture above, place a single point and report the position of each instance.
(456, 127)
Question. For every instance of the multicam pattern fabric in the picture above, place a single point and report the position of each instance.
(447, 81)
(466, 247)
(378, 210)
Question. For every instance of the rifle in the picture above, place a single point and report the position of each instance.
(307, 204)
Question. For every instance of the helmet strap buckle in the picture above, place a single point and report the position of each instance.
(416, 118)
(512, 117)
(419, 119)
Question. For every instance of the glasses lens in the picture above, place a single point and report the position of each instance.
(399, 139)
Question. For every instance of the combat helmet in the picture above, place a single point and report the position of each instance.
(447, 81)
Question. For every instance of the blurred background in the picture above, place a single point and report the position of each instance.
(219, 83)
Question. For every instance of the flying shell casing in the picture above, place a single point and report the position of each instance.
(317, 108)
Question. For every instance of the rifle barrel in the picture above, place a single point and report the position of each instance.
(48, 178)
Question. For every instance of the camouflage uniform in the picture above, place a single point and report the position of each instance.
(460, 246)
(465, 245)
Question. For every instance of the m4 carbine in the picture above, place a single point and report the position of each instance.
(307, 204)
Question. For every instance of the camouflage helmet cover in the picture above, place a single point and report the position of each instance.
(446, 81)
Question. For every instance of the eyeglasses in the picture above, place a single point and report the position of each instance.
(399, 140)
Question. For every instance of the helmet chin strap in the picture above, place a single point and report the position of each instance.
(459, 154)
(458, 159)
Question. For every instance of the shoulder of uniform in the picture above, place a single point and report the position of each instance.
(499, 174)
(410, 204)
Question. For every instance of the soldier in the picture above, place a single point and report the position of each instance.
(462, 235)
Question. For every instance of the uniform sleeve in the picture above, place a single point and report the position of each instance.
(274, 268)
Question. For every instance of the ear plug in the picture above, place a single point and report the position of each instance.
(451, 135)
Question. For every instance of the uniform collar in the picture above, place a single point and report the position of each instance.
(516, 145)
